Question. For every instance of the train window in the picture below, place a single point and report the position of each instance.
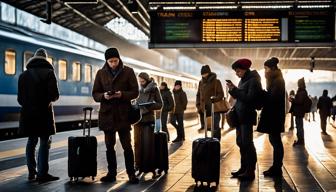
(62, 69)
(26, 56)
(10, 62)
(76, 71)
(87, 75)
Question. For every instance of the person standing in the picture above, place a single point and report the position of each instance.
(114, 87)
(298, 108)
(144, 130)
(324, 106)
(272, 117)
(314, 107)
(168, 105)
(209, 86)
(333, 111)
(246, 95)
(181, 101)
(291, 97)
(37, 89)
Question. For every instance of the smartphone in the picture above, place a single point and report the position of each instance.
(229, 81)
(110, 92)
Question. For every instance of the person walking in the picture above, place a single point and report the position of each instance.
(272, 117)
(114, 87)
(37, 89)
(324, 106)
(314, 107)
(168, 106)
(246, 95)
(181, 102)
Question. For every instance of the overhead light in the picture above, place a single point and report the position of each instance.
(266, 6)
(218, 7)
(179, 8)
(312, 63)
(313, 6)
(133, 6)
(48, 13)
(80, 1)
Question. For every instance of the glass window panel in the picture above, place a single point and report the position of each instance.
(10, 62)
(26, 56)
(76, 71)
(62, 69)
(88, 70)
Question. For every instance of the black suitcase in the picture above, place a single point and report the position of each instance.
(206, 156)
(82, 152)
(147, 149)
(161, 151)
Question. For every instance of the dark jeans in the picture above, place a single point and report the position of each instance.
(164, 118)
(43, 155)
(323, 122)
(125, 140)
(244, 139)
(299, 127)
(292, 120)
(278, 150)
(217, 118)
(177, 122)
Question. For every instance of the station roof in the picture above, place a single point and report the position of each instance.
(89, 20)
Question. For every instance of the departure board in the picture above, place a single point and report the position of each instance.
(262, 30)
(222, 30)
(206, 27)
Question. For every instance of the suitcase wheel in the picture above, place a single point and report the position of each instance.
(76, 179)
(166, 171)
(71, 179)
(93, 178)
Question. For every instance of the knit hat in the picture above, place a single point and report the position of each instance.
(272, 62)
(41, 53)
(111, 52)
(242, 64)
(164, 84)
(178, 82)
(144, 76)
(205, 69)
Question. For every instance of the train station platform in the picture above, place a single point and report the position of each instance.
(306, 168)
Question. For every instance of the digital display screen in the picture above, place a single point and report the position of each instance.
(202, 27)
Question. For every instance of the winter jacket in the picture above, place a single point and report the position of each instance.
(324, 105)
(298, 102)
(167, 99)
(181, 101)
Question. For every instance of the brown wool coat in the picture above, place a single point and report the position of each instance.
(113, 114)
(207, 88)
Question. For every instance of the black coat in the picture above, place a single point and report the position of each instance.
(298, 103)
(324, 105)
(167, 99)
(272, 117)
(181, 101)
(37, 88)
(246, 95)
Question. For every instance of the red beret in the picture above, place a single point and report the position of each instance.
(242, 64)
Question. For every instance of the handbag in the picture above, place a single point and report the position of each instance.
(232, 118)
(221, 106)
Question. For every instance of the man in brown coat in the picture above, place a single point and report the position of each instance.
(114, 87)
(209, 86)
(181, 101)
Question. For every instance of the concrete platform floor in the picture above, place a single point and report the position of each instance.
(306, 168)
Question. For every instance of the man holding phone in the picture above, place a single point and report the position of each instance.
(114, 87)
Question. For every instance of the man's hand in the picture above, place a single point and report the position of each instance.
(117, 94)
(107, 96)
(230, 86)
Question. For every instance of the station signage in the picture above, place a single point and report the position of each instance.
(203, 27)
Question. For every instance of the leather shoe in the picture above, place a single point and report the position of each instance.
(247, 176)
(132, 179)
(108, 178)
(236, 173)
(46, 178)
(273, 172)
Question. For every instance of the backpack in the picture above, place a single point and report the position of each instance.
(307, 103)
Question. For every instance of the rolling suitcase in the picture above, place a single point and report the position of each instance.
(161, 151)
(146, 149)
(82, 152)
(206, 156)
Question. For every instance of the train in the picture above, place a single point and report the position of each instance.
(75, 67)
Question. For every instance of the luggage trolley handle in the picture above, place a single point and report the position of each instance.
(85, 109)
(212, 118)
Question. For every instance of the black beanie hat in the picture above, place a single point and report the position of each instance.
(205, 69)
(144, 76)
(111, 52)
(164, 84)
(178, 82)
(272, 62)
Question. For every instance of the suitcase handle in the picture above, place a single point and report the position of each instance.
(212, 119)
(85, 109)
